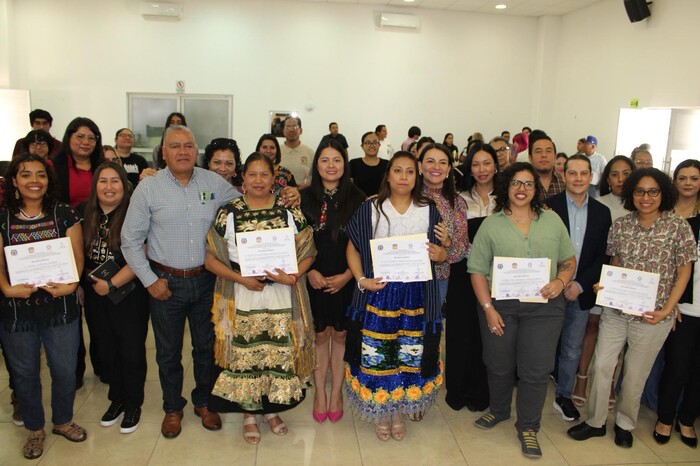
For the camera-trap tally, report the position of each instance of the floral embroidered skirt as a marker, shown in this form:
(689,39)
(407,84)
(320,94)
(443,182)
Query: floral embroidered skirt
(388,380)
(261,376)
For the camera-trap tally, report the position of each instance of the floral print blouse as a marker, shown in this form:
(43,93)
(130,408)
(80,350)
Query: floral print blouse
(455,218)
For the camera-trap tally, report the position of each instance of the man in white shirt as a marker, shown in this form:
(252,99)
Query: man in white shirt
(297,157)
(386,149)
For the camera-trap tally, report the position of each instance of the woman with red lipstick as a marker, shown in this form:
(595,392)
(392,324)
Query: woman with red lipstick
(466,382)
(328,203)
(520,338)
(681,372)
(392,346)
(223,157)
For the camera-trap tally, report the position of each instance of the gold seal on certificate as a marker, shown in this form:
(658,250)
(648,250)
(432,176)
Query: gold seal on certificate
(519,278)
(41,262)
(265,250)
(631,291)
(401,258)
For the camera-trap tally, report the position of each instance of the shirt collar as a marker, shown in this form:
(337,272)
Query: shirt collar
(572,203)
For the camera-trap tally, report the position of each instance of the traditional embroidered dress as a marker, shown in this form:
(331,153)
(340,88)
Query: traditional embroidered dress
(393,347)
(264,339)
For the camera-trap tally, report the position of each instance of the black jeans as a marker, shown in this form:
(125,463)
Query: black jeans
(119,332)
(681,373)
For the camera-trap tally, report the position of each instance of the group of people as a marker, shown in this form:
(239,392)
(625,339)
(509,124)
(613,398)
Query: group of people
(163,243)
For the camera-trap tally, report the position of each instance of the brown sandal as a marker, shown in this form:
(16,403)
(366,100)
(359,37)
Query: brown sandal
(34,446)
(74,432)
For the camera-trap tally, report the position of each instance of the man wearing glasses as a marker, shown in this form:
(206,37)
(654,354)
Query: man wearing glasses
(40,120)
(367,172)
(597,163)
(296,156)
(133,164)
(500,145)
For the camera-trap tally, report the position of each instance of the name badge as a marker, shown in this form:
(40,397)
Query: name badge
(206,196)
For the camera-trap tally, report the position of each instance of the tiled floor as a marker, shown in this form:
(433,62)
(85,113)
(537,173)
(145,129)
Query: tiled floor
(445,437)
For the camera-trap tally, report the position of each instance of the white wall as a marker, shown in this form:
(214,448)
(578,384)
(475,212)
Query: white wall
(453,75)
(605,61)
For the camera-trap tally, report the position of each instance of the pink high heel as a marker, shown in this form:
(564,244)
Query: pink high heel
(335,416)
(320,417)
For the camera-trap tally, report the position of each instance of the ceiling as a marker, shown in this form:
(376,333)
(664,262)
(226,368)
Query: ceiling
(515,7)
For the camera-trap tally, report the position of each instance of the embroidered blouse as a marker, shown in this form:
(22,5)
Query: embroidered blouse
(455,219)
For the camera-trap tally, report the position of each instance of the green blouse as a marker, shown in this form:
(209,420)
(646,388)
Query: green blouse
(498,236)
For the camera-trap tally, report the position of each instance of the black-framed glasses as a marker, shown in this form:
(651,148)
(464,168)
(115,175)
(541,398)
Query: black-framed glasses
(527,185)
(103,230)
(639,192)
(503,149)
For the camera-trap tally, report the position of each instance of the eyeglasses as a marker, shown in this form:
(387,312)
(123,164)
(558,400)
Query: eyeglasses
(126,135)
(81,137)
(371,143)
(654,192)
(643,163)
(503,149)
(527,185)
(292,127)
(103,231)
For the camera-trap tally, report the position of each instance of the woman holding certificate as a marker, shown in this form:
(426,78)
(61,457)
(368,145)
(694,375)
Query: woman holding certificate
(651,239)
(264,334)
(392,346)
(681,372)
(48,314)
(116,302)
(517,334)
(328,203)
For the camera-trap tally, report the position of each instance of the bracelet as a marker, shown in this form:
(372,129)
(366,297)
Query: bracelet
(359,287)
(562,282)
(486,305)
(295,277)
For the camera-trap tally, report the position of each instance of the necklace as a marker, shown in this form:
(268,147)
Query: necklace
(30,217)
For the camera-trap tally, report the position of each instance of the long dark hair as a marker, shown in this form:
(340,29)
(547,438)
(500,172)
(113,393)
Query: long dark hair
(385,190)
(270,137)
(468,180)
(160,162)
(604,185)
(502,187)
(348,197)
(93,211)
(11,201)
(669,192)
(448,186)
(72,128)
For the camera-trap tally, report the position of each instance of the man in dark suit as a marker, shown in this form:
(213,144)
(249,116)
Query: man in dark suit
(588,222)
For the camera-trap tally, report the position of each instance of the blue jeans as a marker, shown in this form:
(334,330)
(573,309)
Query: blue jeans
(23,350)
(192,300)
(575,321)
(442,288)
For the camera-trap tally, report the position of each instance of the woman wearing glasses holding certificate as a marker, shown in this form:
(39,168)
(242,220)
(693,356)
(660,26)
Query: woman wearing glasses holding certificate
(652,239)
(520,335)
(392,346)
(264,334)
(115,302)
(48,315)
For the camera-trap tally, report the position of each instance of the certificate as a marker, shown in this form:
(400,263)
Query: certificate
(41,262)
(401,258)
(519,278)
(631,291)
(266,250)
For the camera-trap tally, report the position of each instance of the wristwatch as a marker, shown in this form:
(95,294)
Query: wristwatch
(110,285)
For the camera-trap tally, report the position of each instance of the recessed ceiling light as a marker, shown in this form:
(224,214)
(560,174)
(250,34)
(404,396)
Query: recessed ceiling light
(409,1)
(501,6)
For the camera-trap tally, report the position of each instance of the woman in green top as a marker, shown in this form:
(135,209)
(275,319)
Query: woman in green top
(516,334)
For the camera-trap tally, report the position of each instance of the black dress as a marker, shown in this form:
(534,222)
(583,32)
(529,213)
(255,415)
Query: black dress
(328,309)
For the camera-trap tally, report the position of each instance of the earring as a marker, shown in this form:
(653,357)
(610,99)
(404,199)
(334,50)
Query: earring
(17,195)
(243,189)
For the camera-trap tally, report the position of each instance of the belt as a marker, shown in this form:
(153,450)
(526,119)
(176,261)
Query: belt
(182,273)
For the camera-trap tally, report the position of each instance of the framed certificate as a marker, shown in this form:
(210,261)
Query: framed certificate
(631,291)
(41,262)
(519,278)
(265,250)
(401,258)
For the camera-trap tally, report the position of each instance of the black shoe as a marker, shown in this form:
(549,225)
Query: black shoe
(566,408)
(692,442)
(489,421)
(583,431)
(112,414)
(131,420)
(661,439)
(455,403)
(623,438)
(529,444)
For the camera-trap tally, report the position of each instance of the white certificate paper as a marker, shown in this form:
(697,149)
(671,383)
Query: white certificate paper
(631,291)
(401,258)
(41,262)
(519,278)
(266,250)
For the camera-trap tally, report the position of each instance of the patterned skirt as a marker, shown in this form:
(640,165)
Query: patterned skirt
(262,369)
(388,380)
